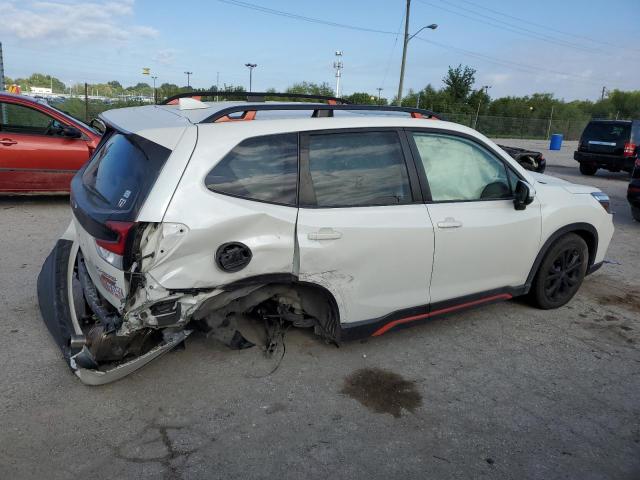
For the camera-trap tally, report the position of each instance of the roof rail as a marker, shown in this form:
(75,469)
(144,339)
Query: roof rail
(248,111)
(253,96)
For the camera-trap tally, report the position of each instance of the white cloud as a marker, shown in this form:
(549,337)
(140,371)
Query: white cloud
(77,22)
(166,56)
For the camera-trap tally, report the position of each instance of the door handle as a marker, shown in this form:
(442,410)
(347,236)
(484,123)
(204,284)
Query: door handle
(7,142)
(449,222)
(324,234)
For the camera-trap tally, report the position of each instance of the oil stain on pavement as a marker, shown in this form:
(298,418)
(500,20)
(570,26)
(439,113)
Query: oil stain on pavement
(382,391)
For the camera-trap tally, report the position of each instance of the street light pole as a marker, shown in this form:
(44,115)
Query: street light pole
(250,66)
(188,74)
(155,96)
(407,38)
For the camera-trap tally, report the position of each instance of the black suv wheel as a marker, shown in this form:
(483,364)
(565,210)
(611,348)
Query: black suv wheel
(635,213)
(561,272)
(587,169)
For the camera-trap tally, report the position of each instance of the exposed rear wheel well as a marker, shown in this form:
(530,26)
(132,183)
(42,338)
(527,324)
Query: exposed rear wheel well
(298,303)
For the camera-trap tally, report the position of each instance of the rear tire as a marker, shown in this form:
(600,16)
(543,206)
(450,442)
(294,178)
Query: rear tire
(587,169)
(561,272)
(635,213)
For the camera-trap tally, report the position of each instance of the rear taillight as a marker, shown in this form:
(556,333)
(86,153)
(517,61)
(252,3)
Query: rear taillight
(118,245)
(629,149)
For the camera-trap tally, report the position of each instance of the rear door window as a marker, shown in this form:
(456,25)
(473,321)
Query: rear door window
(358,169)
(259,168)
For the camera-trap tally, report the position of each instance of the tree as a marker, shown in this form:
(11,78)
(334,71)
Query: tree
(459,82)
(114,84)
(362,98)
(311,88)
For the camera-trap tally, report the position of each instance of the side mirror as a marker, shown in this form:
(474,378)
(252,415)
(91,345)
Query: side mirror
(523,195)
(71,132)
(98,125)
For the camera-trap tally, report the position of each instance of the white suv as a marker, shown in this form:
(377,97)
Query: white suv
(352,220)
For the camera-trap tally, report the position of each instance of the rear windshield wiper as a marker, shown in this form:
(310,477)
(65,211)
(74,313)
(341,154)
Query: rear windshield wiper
(96,193)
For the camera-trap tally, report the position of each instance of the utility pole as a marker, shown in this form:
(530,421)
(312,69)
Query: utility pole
(250,66)
(550,119)
(86,102)
(338,67)
(404,51)
(408,37)
(1,70)
(188,74)
(379,95)
(603,92)
(485,88)
(3,107)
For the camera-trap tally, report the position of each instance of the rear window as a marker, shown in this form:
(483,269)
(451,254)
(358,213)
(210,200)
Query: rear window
(358,169)
(259,168)
(123,170)
(608,132)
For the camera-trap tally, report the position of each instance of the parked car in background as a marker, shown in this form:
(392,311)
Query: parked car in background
(41,148)
(633,192)
(608,144)
(529,159)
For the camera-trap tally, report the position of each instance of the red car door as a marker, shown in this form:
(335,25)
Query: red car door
(35,156)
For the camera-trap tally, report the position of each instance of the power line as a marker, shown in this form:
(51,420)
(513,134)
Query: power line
(546,27)
(508,63)
(272,11)
(502,62)
(393,49)
(510,27)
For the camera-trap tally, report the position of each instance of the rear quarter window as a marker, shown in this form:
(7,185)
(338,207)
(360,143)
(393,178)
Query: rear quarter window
(259,168)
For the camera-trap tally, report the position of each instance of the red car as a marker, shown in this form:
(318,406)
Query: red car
(41,148)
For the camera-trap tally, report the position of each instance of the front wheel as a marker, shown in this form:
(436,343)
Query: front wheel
(561,272)
(635,213)
(587,169)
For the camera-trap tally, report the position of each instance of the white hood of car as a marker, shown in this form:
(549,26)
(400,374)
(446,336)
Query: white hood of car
(568,186)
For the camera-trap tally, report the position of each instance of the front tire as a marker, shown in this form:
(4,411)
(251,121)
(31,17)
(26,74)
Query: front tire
(561,272)
(635,213)
(587,169)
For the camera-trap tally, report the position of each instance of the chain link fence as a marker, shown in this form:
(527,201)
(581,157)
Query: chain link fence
(86,109)
(514,127)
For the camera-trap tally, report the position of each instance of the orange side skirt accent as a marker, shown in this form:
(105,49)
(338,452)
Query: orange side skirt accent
(390,325)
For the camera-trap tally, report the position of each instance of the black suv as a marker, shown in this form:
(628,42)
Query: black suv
(609,144)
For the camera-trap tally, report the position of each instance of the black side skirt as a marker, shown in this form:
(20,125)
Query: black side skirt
(421,314)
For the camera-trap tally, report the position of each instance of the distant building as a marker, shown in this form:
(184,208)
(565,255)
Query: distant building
(40,90)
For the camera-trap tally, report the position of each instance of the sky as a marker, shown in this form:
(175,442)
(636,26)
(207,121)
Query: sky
(571,48)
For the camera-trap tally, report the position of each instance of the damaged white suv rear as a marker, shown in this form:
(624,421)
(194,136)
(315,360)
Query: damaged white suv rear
(349,220)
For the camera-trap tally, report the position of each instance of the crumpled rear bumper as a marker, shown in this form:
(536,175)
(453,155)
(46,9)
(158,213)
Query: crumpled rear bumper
(55,303)
(53,297)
